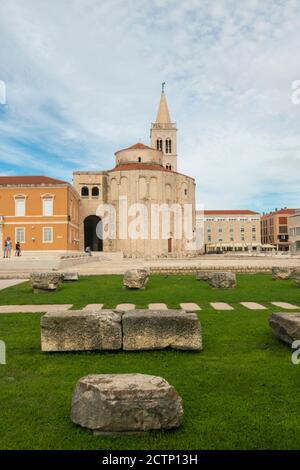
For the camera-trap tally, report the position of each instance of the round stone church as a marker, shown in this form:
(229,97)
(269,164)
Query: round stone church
(151,205)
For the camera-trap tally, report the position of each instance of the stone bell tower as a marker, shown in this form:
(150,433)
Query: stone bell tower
(163,134)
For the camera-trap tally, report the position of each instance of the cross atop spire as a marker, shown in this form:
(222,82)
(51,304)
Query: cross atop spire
(163,115)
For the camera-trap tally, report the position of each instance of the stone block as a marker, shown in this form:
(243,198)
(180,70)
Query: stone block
(79,330)
(125,403)
(45,281)
(286,326)
(282,273)
(160,329)
(136,278)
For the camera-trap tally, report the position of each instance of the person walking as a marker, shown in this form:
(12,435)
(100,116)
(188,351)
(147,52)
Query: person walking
(8,247)
(18,249)
(5,249)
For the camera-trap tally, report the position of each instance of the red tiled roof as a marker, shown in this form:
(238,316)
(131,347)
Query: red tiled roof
(140,166)
(280,211)
(229,212)
(139,145)
(34,180)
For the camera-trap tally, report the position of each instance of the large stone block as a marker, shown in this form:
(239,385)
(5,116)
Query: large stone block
(136,278)
(46,281)
(282,273)
(221,280)
(286,326)
(81,330)
(120,403)
(160,329)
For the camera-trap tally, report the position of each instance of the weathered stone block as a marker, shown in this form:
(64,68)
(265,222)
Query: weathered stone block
(202,275)
(222,280)
(81,330)
(281,273)
(286,326)
(136,278)
(120,403)
(160,329)
(49,281)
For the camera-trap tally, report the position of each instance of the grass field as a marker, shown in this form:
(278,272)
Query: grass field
(241,392)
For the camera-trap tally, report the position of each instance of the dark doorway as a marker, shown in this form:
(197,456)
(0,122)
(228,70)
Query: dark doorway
(92,232)
(169,245)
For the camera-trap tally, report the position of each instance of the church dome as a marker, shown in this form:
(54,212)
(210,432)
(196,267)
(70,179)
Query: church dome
(139,153)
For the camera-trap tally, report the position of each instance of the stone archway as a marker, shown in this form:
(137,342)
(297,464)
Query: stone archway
(92,225)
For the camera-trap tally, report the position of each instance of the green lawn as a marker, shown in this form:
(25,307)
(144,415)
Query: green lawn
(241,392)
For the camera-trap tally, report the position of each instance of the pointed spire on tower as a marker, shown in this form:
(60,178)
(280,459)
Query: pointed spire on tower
(163,115)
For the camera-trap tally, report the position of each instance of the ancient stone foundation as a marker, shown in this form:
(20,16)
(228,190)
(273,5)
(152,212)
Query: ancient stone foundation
(107,330)
(125,403)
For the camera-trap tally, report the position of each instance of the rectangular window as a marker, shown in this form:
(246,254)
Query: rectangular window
(20,207)
(20,235)
(48,207)
(283,229)
(47,234)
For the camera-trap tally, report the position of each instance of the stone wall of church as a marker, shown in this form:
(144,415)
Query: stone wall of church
(148,187)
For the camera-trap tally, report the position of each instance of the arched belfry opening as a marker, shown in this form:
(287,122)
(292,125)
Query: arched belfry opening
(93,233)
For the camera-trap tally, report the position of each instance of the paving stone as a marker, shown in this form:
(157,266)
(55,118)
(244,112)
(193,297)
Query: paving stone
(158,307)
(285,305)
(221,306)
(93,307)
(4,283)
(34,308)
(190,307)
(253,306)
(124,307)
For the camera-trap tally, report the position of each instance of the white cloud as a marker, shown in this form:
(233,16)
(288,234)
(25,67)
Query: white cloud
(83,79)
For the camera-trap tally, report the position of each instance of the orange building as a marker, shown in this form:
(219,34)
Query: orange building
(39,212)
(274,228)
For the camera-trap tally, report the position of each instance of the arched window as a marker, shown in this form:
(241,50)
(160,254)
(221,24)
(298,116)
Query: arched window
(168,146)
(159,144)
(140,159)
(169,167)
(85,191)
(95,191)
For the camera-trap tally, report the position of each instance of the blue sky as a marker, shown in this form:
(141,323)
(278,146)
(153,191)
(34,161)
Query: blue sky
(83,80)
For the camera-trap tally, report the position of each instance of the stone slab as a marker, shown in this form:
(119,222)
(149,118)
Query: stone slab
(285,305)
(221,306)
(93,307)
(190,307)
(253,306)
(4,283)
(78,330)
(34,308)
(160,329)
(124,307)
(286,326)
(157,307)
(125,403)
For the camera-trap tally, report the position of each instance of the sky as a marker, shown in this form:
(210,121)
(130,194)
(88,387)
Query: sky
(83,79)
